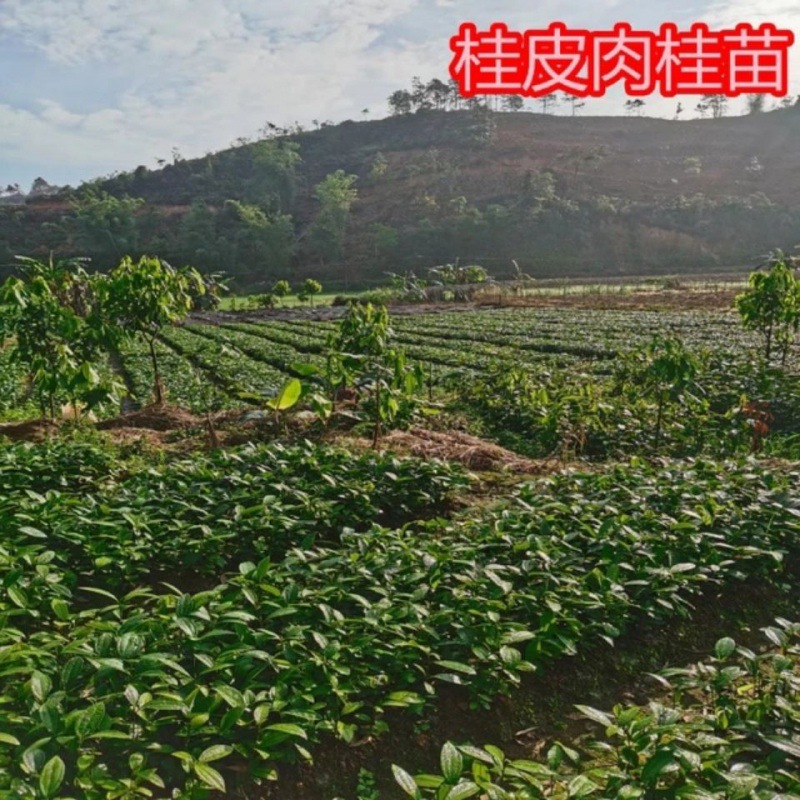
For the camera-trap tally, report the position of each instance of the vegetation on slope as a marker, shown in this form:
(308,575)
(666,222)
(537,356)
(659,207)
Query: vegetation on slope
(560,195)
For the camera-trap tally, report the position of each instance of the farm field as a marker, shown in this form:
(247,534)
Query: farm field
(297,614)
(252,356)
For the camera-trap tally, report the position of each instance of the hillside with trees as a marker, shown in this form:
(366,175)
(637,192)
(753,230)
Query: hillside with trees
(443,180)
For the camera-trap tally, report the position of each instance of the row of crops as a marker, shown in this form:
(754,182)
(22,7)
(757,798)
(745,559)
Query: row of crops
(201,622)
(178,624)
(718,729)
(212,365)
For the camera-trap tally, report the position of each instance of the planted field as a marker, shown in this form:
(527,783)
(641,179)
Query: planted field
(207,621)
(324,621)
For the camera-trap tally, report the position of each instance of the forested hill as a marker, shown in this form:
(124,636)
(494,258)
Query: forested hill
(560,195)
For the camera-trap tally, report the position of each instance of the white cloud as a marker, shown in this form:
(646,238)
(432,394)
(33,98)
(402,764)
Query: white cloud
(199,73)
(784,14)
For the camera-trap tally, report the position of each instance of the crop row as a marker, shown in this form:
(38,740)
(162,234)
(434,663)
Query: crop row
(231,370)
(478,356)
(326,638)
(280,355)
(202,515)
(729,731)
(186,385)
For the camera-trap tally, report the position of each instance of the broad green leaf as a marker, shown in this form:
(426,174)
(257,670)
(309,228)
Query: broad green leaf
(452,763)
(581,786)
(215,752)
(288,395)
(457,666)
(209,776)
(595,715)
(52,776)
(462,791)
(406,782)
(785,745)
(288,728)
(724,648)
(40,686)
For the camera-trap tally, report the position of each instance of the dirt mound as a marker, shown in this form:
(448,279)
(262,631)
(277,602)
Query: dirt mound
(472,452)
(34,430)
(154,418)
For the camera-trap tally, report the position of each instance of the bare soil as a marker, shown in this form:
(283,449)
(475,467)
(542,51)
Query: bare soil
(472,452)
(34,430)
(154,418)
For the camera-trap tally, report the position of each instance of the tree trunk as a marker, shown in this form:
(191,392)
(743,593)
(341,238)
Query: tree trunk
(377,431)
(158,388)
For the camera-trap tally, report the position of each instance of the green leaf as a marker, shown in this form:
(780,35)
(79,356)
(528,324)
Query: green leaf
(406,782)
(40,686)
(660,762)
(457,666)
(209,776)
(6,738)
(90,721)
(215,753)
(288,728)
(462,791)
(60,609)
(784,744)
(17,596)
(231,696)
(288,396)
(595,715)
(452,763)
(724,648)
(581,786)
(52,776)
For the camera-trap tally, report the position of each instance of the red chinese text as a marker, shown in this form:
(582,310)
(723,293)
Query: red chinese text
(740,60)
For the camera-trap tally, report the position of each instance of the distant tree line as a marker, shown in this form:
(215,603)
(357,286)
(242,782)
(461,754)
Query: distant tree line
(230,212)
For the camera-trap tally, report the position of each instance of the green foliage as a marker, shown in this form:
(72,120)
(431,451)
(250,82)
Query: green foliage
(163,686)
(455,274)
(282,288)
(366,788)
(771,306)
(307,291)
(379,167)
(55,319)
(105,226)
(665,371)
(259,245)
(146,296)
(266,300)
(731,732)
(273,181)
(336,195)
(362,354)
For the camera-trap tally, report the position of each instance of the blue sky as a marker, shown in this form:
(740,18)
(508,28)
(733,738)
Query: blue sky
(93,86)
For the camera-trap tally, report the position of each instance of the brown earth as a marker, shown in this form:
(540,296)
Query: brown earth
(34,430)
(472,452)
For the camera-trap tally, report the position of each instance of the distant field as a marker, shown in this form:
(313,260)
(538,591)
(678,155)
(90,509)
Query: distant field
(537,288)
(247,301)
